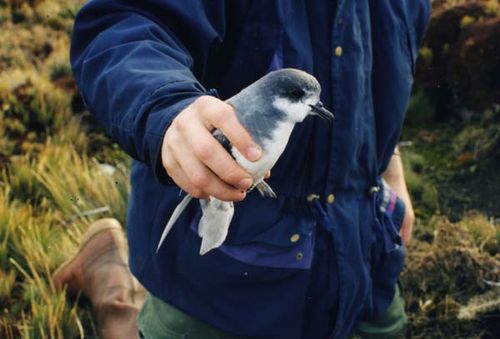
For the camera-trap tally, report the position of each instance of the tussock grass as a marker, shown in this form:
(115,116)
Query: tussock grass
(49,180)
(78,184)
(43,205)
(447,281)
(31,246)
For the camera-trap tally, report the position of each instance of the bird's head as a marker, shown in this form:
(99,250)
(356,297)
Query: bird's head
(295,93)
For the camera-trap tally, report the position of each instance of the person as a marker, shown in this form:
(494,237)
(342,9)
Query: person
(323,258)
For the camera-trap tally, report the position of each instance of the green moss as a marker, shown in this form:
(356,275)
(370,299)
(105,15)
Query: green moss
(493,7)
(426,55)
(484,232)
(467,21)
(420,110)
(422,191)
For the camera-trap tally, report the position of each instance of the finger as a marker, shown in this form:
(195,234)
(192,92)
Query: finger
(203,179)
(175,171)
(222,116)
(214,156)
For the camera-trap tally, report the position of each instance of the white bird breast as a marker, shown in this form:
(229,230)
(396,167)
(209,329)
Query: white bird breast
(271,151)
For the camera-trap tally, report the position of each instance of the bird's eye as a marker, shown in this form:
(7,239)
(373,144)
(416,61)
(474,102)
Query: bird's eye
(296,94)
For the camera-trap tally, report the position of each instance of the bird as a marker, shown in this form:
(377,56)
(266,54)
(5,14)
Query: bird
(269,108)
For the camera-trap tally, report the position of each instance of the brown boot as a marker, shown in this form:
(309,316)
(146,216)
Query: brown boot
(101,272)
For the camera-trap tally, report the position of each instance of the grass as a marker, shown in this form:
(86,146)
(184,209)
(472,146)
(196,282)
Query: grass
(50,177)
(447,280)
(55,180)
(44,201)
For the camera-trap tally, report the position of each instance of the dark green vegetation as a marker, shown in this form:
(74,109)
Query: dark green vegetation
(52,173)
(452,161)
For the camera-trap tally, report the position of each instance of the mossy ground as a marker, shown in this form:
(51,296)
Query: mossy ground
(52,175)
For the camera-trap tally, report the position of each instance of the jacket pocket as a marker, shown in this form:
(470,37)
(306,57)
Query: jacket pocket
(275,236)
(252,272)
(388,252)
(281,246)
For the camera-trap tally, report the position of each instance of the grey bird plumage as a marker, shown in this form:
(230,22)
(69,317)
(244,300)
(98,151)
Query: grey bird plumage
(269,109)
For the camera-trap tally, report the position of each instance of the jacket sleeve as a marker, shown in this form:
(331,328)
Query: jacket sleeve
(419,13)
(134,62)
(398,28)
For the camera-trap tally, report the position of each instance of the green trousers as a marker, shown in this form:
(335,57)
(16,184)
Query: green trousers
(159,320)
(389,325)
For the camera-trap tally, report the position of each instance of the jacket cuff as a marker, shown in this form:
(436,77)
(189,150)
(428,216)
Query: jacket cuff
(158,129)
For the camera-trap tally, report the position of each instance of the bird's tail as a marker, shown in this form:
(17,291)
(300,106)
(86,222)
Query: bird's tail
(214,223)
(175,215)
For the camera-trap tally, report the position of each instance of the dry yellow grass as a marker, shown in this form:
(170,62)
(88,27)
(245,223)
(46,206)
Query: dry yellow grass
(49,181)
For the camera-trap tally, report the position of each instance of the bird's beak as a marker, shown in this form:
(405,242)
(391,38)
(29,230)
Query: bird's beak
(319,109)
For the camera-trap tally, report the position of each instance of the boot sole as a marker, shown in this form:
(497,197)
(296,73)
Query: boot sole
(93,231)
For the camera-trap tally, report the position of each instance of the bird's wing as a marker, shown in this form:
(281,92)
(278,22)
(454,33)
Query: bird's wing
(175,215)
(221,138)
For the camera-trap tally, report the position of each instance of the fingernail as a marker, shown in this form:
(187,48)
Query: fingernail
(245,183)
(254,153)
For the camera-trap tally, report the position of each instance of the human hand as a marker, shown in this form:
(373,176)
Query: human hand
(408,220)
(401,190)
(394,176)
(197,162)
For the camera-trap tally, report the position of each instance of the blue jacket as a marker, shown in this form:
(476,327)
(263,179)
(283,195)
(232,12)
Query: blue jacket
(291,267)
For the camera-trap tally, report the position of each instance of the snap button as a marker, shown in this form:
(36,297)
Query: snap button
(338,51)
(374,189)
(311,197)
(330,199)
(295,237)
(299,256)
